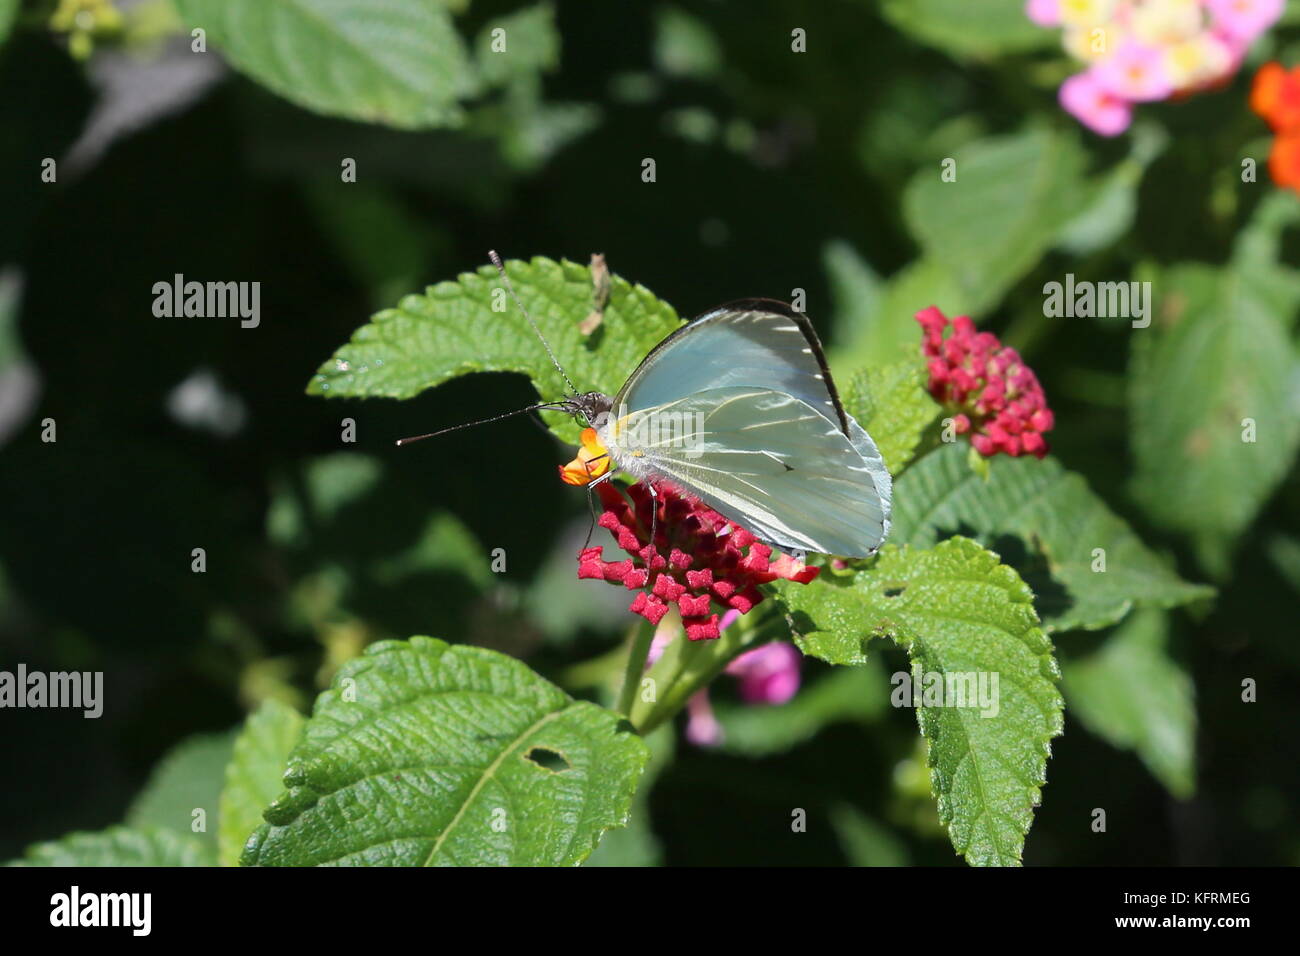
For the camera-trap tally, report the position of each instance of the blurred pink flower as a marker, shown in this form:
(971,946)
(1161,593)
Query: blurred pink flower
(1135,73)
(1244,20)
(702,728)
(1046,13)
(768,674)
(1083,98)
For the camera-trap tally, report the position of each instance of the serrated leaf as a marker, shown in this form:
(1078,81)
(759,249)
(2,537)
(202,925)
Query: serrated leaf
(1218,354)
(957,610)
(1046,523)
(120,846)
(396,62)
(636,843)
(980,30)
(892,403)
(427,754)
(1133,694)
(254,774)
(453,330)
(992,224)
(188,778)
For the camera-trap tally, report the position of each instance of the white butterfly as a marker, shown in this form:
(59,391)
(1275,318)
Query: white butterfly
(738,409)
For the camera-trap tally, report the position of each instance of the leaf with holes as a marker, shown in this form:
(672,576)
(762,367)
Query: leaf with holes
(470,325)
(964,617)
(427,754)
(397,62)
(1086,565)
(254,775)
(120,846)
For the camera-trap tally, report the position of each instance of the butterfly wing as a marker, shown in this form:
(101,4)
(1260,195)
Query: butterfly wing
(766,460)
(771,354)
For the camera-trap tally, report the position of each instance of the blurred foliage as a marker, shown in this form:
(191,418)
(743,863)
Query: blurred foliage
(776,171)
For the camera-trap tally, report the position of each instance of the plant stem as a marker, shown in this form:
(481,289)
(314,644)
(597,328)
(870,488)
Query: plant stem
(642,636)
(687,666)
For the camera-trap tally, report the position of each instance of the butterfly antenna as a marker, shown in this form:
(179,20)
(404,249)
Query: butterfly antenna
(496,261)
(481,421)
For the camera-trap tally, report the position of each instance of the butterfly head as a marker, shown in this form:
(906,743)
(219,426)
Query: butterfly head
(592,406)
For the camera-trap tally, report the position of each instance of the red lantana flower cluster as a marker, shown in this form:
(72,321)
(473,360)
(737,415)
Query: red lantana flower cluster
(697,559)
(996,396)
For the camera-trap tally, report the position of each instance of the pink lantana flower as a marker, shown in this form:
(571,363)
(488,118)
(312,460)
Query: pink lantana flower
(1136,72)
(996,397)
(1046,13)
(768,674)
(1087,101)
(1244,20)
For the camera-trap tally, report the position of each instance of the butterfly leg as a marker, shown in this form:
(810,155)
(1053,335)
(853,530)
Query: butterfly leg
(654,510)
(591,503)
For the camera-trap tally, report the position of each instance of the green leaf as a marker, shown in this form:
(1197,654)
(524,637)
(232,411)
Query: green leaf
(961,28)
(850,694)
(856,291)
(957,611)
(684,45)
(1133,694)
(1217,358)
(426,754)
(120,846)
(188,778)
(886,330)
(8,15)
(396,62)
(1046,523)
(1110,209)
(892,403)
(531,45)
(636,844)
(453,330)
(254,776)
(1002,213)
(865,841)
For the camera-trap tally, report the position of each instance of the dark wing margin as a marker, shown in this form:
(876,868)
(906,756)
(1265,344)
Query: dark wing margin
(777,307)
